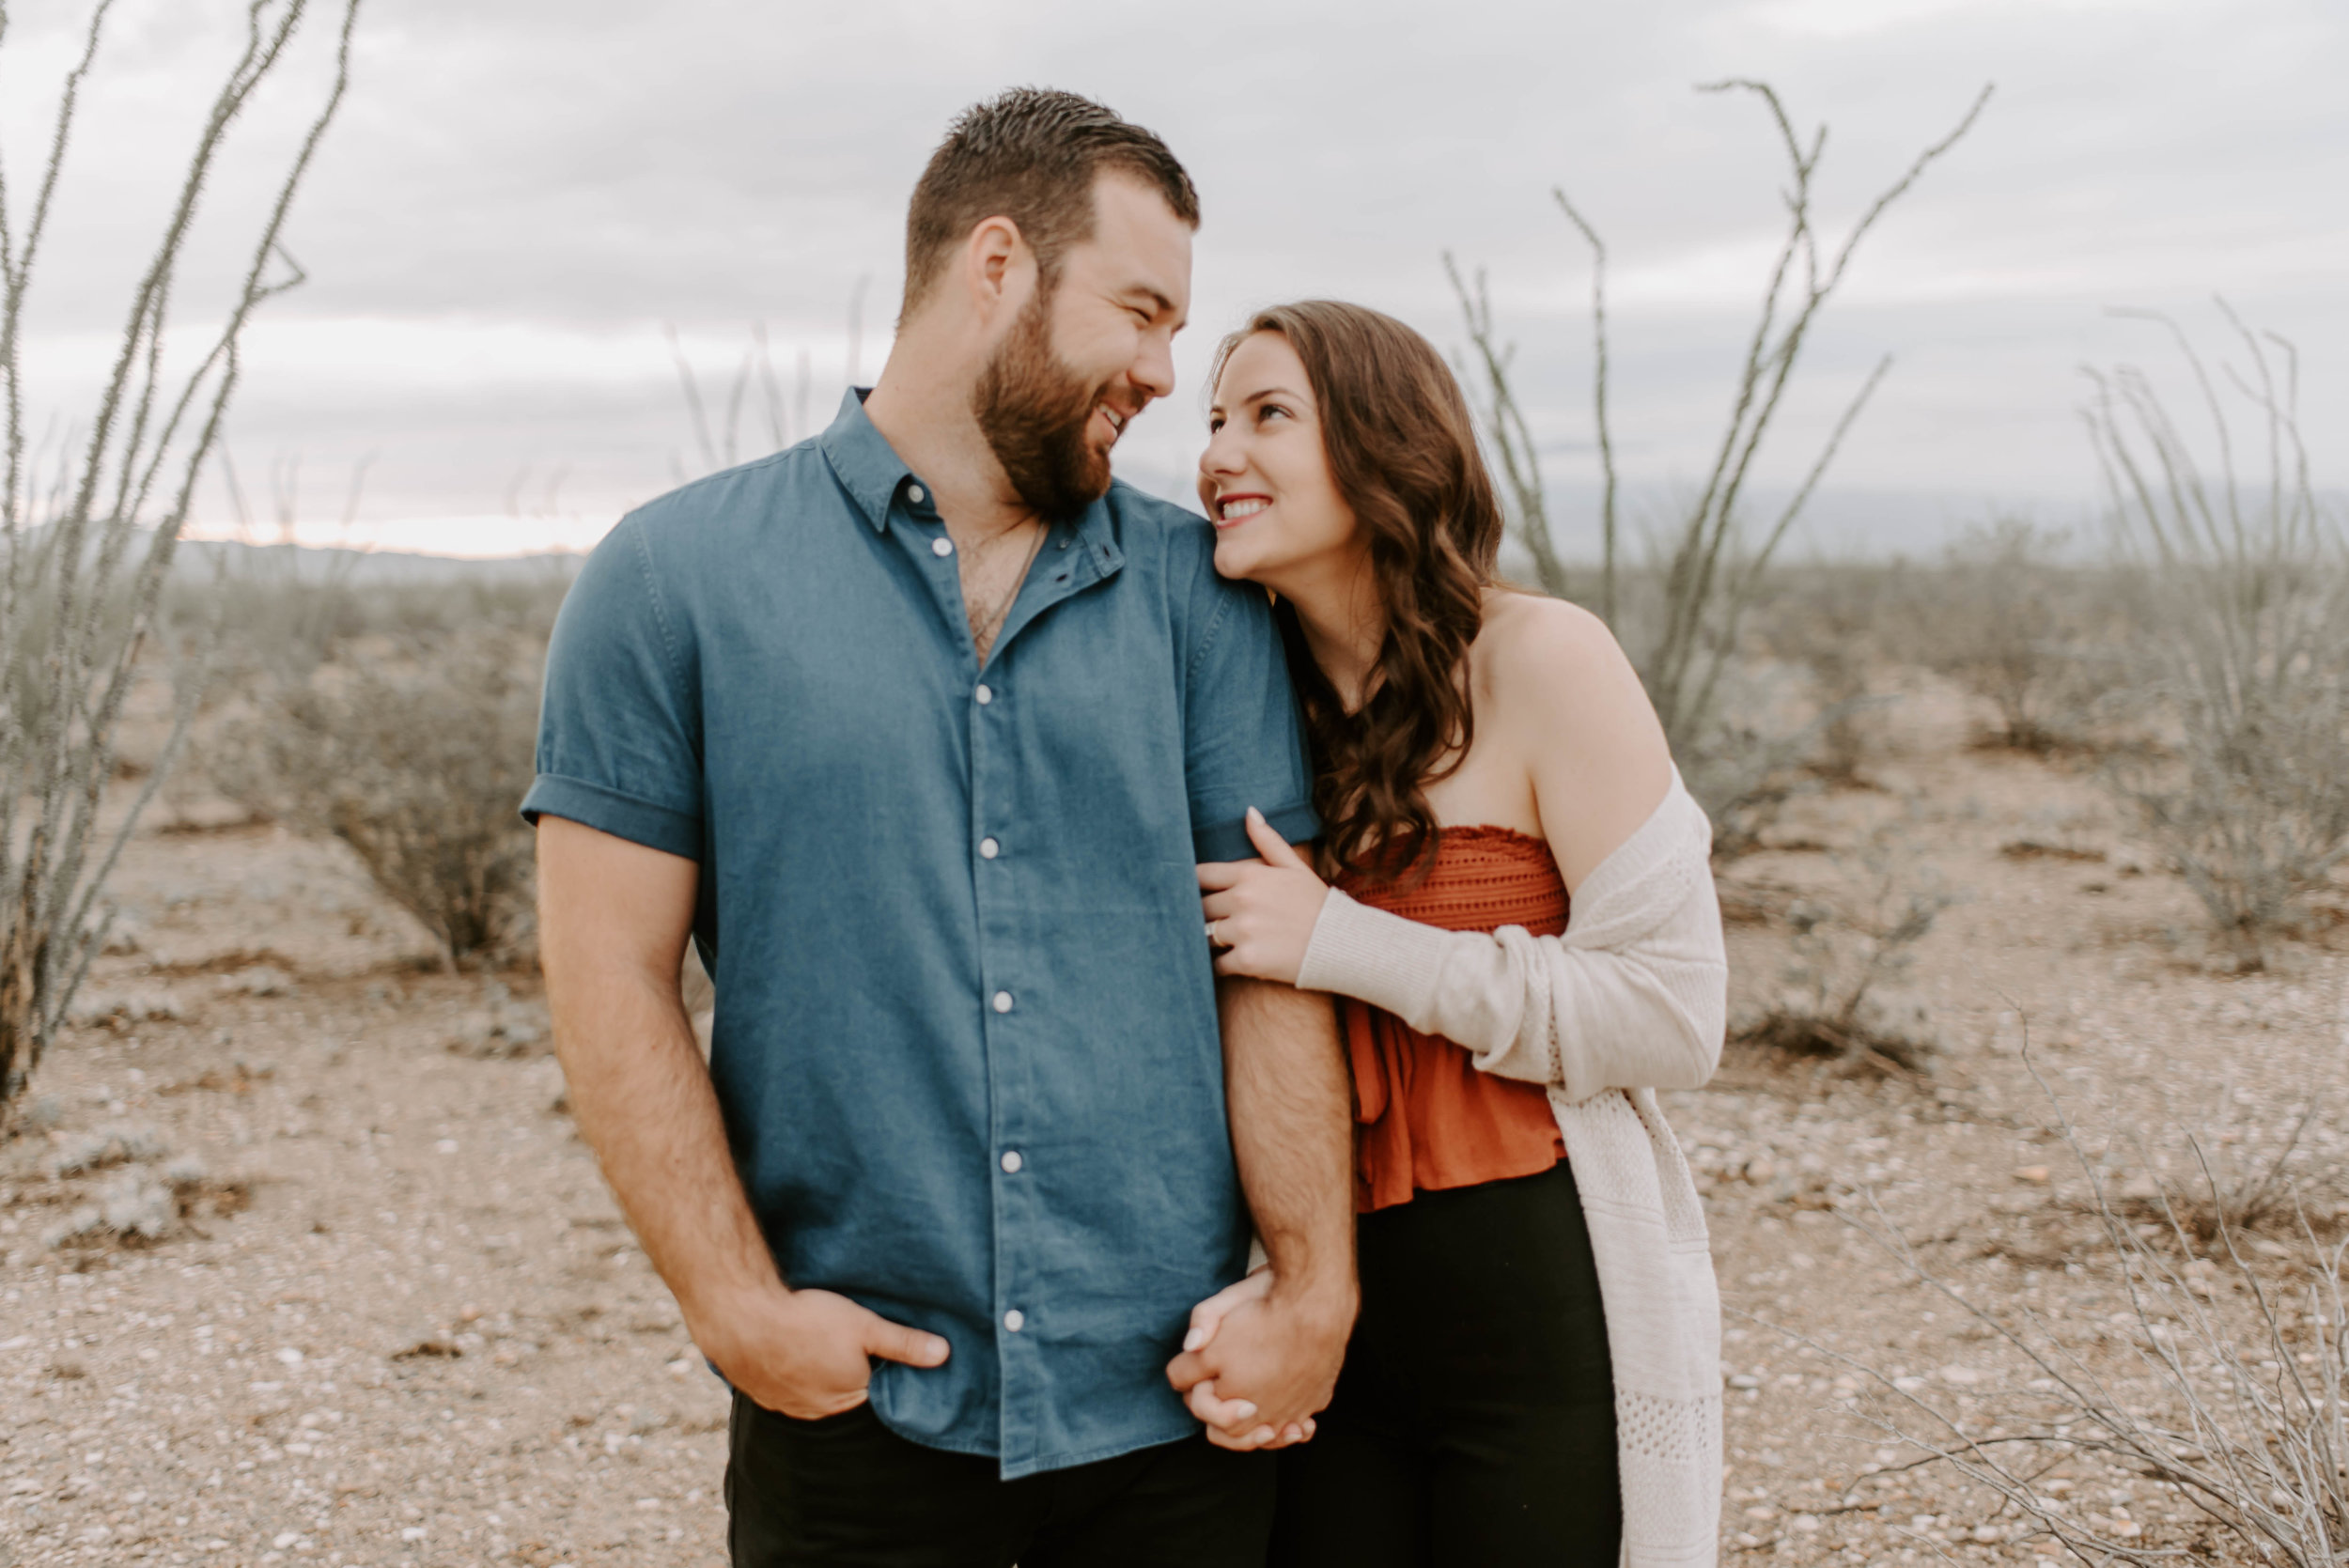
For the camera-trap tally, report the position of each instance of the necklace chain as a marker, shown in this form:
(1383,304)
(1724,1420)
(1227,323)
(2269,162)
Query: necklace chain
(982,631)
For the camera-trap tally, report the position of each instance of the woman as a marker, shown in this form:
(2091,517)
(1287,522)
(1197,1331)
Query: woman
(1520,926)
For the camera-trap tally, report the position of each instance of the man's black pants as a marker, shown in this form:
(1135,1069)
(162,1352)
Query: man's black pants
(846,1492)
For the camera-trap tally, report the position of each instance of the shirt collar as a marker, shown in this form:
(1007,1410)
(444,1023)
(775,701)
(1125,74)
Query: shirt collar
(868,467)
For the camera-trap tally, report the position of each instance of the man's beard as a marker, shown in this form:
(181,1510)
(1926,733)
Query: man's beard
(1034,414)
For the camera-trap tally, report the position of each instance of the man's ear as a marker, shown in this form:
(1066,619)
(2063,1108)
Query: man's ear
(998,268)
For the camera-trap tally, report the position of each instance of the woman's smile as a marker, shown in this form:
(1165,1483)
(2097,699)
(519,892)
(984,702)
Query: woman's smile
(1233,510)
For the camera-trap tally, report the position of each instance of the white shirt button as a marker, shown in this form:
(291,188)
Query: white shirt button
(1014,1320)
(941,546)
(915,494)
(986,694)
(988,848)
(1012,1162)
(1003,1002)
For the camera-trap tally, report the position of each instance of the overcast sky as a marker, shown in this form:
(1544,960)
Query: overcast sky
(520,198)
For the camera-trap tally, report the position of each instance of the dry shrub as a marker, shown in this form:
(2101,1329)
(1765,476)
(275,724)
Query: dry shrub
(1839,622)
(2227,1386)
(138,1202)
(2038,638)
(283,614)
(2243,588)
(1845,950)
(272,617)
(418,768)
(2238,1193)
(1754,759)
(1743,776)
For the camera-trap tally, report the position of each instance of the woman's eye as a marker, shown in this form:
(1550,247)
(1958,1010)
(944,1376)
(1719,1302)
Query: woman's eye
(1215,423)
(1269,410)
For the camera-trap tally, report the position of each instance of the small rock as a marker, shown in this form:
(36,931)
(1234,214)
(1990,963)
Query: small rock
(263,980)
(437,1346)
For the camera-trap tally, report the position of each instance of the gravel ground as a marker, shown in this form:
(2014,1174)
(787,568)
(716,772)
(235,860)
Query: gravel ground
(401,1322)
(375,1307)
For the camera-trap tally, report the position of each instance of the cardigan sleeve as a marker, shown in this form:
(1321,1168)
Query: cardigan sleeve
(1634,995)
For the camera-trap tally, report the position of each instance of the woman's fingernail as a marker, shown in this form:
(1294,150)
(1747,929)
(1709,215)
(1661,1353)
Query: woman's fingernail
(1193,1339)
(1243,1411)
(1254,815)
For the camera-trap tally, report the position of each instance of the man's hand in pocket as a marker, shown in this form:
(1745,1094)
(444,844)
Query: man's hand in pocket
(806,1354)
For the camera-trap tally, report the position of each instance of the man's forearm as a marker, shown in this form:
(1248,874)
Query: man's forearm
(1292,1134)
(613,919)
(642,1100)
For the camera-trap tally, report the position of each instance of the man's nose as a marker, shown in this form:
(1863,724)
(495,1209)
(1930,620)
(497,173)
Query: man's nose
(1154,369)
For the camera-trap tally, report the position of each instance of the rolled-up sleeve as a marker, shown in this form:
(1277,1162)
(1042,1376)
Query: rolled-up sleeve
(620,742)
(1242,743)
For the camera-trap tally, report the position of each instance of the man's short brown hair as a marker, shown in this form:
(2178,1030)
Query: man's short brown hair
(1030,155)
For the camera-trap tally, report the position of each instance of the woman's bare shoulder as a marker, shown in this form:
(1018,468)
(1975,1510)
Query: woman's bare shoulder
(1569,704)
(1538,647)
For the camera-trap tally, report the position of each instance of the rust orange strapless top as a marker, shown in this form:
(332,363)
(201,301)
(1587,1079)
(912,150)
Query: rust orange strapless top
(1426,1118)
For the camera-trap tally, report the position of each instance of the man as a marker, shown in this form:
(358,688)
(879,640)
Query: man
(918,730)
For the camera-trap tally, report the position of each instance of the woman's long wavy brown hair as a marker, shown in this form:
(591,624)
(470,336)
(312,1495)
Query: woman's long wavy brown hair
(1402,448)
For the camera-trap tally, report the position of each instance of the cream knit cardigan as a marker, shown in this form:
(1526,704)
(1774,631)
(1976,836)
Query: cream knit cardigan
(1630,999)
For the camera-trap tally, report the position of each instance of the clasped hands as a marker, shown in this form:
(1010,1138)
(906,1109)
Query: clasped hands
(1259,1363)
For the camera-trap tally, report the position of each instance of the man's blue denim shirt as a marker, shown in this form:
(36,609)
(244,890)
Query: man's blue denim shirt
(966,1040)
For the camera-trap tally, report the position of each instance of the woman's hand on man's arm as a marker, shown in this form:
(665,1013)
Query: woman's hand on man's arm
(1260,913)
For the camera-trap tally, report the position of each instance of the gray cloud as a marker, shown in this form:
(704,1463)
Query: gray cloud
(519,196)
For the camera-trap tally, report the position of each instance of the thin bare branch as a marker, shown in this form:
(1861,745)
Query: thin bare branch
(1607,607)
(79,612)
